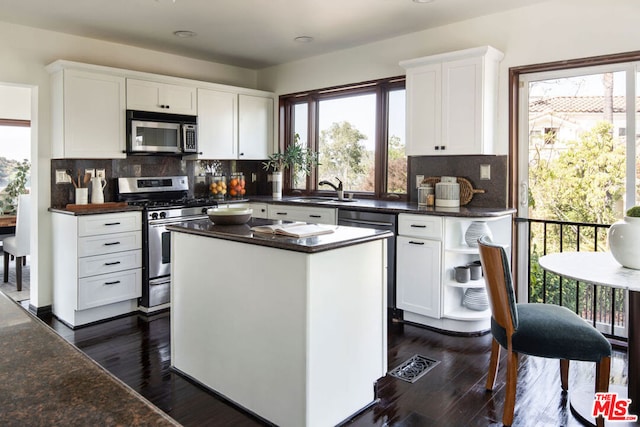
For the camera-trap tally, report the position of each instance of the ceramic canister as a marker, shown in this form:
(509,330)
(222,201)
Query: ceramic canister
(448,194)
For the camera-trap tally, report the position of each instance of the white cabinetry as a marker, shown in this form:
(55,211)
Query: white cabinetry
(161,97)
(87,114)
(97,266)
(300,213)
(260,210)
(427,291)
(452,102)
(234,126)
(419,249)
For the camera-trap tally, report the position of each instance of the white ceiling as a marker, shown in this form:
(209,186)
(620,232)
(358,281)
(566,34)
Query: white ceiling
(246,33)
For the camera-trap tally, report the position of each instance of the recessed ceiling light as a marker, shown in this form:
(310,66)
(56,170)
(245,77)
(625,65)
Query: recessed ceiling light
(303,39)
(184,34)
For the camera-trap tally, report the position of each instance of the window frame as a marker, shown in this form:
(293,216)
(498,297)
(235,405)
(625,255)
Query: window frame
(381,88)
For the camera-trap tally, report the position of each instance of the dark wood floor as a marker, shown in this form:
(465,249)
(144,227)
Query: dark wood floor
(136,349)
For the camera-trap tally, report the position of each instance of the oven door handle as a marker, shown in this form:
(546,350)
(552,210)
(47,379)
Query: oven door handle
(165,222)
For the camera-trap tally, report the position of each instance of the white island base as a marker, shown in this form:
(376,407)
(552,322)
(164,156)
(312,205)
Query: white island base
(296,338)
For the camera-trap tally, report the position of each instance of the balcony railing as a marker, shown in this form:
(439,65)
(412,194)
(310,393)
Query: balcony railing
(604,307)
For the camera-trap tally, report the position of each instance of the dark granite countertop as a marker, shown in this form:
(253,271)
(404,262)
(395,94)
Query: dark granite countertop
(341,237)
(44,380)
(94,211)
(386,206)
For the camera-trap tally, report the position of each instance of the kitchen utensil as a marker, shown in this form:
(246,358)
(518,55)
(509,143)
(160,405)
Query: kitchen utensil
(68,171)
(229,216)
(97,187)
(87,178)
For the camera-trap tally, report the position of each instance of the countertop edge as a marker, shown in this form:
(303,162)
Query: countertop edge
(95,211)
(282,242)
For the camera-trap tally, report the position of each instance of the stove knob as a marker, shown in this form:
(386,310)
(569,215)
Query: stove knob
(204,210)
(154,215)
(163,215)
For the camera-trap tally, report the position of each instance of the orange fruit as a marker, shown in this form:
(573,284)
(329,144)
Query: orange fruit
(242,183)
(243,191)
(233,192)
(233,182)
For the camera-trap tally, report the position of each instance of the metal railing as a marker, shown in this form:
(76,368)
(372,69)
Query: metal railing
(604,307)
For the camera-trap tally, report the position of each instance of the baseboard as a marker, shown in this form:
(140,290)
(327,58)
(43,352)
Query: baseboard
(43,311)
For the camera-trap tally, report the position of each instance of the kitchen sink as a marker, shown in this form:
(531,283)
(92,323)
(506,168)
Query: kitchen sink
(311,200)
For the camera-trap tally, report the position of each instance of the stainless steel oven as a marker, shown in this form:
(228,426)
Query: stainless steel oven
(165,201)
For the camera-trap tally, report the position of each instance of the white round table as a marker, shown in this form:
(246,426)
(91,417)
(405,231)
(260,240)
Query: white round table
(600,268)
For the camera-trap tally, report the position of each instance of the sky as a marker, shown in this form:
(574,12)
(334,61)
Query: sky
(589,85)
(15,142)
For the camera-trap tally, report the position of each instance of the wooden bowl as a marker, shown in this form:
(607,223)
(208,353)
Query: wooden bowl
(229,216)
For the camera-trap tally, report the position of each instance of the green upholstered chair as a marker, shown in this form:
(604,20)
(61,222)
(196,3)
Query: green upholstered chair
(542,330)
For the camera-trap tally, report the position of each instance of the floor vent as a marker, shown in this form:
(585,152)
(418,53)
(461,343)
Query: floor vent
(412,369)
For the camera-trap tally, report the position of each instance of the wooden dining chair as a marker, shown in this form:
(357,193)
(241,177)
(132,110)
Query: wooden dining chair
(543,330)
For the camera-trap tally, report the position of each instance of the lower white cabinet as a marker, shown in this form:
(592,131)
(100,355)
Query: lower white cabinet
(418,272)
(310,214)
(97,266)
(428,250)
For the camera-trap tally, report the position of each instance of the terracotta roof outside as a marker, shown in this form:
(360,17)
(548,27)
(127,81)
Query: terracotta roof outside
(577,104)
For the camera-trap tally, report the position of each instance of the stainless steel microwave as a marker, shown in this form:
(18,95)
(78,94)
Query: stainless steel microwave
(161,133)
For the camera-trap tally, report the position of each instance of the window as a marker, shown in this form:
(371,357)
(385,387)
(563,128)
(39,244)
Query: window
(358,132)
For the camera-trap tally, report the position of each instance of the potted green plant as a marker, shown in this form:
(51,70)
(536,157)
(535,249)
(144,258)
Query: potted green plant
(15,187)
(624,239)
(295,157)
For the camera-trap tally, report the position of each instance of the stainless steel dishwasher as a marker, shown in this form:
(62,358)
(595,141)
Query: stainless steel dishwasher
(378,221)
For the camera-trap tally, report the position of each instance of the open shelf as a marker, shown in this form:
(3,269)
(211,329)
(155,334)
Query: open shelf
(470,284)
(463,313)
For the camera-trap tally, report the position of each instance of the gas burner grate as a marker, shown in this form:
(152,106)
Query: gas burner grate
(414,368)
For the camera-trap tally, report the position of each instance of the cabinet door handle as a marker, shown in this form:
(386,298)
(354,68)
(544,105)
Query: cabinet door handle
(416,243)
(281,213)
(112,263)
(112,243)
(315,216)
(418,226)
(112,283)
(112,223)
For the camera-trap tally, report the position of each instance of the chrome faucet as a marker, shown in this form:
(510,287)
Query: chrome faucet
(338,188)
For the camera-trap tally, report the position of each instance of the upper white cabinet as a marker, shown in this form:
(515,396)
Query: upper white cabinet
(146,95)
(452,102)
(217,124)
(255,126)
(87,114)
(234,126)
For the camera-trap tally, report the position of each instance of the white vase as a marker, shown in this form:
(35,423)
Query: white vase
(624,242)
(476,230)
(276,179)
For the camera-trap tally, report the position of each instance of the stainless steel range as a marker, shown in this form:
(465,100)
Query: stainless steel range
(165,201)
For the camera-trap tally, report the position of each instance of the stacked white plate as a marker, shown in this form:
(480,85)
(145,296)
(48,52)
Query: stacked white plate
(476,299)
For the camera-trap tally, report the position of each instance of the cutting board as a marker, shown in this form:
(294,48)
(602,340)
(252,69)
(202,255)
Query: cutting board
(93,206)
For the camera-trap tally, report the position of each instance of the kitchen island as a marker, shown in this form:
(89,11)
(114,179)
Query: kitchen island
(293,330)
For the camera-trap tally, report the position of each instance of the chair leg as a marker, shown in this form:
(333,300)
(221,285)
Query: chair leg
(512,379)
(493,365)
(564,374)
(19,273)
(6,267)
(602,382)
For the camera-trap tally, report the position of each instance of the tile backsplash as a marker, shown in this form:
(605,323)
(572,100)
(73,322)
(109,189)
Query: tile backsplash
(495,195)
(62,194)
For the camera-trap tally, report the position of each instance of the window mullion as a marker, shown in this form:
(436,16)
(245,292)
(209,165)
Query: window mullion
(631,96)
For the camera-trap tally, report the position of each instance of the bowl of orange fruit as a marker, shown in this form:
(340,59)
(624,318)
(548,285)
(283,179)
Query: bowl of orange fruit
(229,216)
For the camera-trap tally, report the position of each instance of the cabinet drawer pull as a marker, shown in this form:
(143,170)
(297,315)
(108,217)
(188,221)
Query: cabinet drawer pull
(112,243)
(416,243)
(281,213)
(112,263)
(112,223)
(418,226)
(112,283)
(315,216)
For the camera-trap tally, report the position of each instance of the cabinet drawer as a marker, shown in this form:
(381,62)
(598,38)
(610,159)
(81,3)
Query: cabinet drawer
(109,288)
(305,214)
(91,225)
(104,264)
(429,227)
(112,243)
